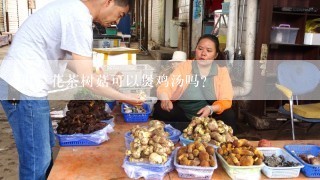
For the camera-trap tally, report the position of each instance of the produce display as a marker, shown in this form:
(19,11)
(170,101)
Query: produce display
(134,109)
(240,153)
(196,154)
(278,161)
(207,129)
(150,144)
(310,159)
(83,117)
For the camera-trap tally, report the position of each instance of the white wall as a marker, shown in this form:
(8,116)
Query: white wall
(169,12)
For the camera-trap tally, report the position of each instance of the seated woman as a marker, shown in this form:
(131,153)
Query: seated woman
(200,87)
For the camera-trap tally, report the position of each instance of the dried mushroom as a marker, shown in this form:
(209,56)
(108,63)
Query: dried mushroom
(196,154)
(278,161)
(240,153)
(150,143)
(83,117)
(207,129)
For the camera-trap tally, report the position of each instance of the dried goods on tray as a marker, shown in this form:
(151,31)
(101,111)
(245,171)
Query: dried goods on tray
(310,159)
(240,153)
(83,117)
(196,154)
(207,129)
(150,144)
(278,161)
(134,109)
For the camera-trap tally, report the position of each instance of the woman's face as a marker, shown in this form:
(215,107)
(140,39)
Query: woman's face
(206,52)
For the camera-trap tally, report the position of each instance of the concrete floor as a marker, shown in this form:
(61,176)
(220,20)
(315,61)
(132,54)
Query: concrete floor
(9,156)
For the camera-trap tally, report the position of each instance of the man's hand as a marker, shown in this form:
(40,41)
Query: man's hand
(133,99)
(166,105)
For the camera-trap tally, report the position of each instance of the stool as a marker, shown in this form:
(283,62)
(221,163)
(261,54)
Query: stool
(221,16)
(126,37)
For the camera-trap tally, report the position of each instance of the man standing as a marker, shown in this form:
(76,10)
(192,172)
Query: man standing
(63,27)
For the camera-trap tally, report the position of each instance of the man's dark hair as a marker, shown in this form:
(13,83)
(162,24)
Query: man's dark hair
(122,3)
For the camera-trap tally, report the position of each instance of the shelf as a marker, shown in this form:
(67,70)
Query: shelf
(296,14)
(296,45)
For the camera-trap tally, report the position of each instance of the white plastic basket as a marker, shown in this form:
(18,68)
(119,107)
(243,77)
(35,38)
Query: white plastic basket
(132,76)
(241,172)
(280,172)
(194,172)
(136,90)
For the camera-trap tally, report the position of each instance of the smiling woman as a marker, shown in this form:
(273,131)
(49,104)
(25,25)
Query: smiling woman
(204,88)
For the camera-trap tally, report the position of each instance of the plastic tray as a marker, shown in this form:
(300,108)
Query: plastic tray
(92,139)
(280,172)
(241,172)
(147,170)
(136,117)
(184,141)
(194,172)
(308,169)
(173,135)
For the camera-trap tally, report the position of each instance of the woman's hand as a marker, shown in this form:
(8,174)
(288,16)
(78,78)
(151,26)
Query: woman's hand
(205,112)
(166,105)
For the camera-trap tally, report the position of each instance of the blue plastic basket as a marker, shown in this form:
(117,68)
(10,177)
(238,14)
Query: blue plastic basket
(80,142)
(91,139)
(136,117)
(111,104)
(308,169)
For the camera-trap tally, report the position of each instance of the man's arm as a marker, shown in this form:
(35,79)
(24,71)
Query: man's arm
(83,67)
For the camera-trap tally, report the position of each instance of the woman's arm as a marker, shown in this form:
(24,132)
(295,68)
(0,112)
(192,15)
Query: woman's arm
(225,91)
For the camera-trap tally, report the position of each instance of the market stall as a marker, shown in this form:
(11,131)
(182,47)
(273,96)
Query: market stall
(105,161)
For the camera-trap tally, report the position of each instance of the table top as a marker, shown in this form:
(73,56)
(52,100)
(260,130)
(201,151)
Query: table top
(105,161)
(105,36)
(115,51)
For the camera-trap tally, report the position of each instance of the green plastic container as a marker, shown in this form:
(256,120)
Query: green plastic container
(111,31)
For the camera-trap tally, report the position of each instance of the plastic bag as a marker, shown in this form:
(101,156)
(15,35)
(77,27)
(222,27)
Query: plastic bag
(94,138)
(173,135)
(147,170)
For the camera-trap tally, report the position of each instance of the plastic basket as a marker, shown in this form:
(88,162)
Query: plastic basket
(241,172)
(308,169)
(173,135)
(136,117)
(92,139)
(147,170)
(132,76)
(194,172)
(111,31)
(111,103)
(225,7)
(280,172)
(184,141)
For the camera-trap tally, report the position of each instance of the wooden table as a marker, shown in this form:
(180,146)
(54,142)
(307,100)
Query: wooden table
(105,161)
